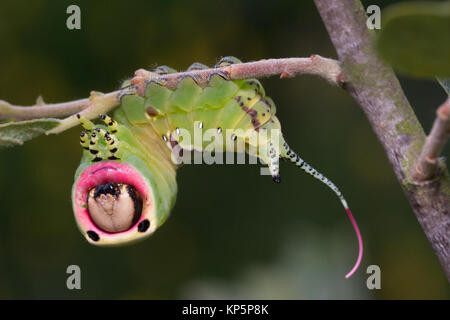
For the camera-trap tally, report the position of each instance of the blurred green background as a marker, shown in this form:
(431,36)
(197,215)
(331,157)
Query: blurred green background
(226,238)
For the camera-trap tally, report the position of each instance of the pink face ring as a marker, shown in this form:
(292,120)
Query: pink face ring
(113,204)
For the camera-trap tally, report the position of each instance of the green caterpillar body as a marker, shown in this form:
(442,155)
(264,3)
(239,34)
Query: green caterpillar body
(233,109)
(125,186)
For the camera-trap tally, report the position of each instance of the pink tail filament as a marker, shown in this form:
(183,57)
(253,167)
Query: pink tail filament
(360,243)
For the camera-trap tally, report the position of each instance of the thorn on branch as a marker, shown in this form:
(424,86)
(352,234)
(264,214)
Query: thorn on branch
(40,101)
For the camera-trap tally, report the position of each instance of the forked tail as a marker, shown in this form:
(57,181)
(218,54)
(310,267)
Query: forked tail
(288,153)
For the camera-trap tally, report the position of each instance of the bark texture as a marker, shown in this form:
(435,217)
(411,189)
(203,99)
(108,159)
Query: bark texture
(377,90)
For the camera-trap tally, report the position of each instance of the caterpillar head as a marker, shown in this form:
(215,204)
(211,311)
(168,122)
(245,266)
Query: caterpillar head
(116,194)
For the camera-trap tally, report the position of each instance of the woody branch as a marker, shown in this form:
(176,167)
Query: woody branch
(328,69)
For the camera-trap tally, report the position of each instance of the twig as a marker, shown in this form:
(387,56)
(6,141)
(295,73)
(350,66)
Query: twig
(91,107)
(377,90)
(98,103)
(19,113)
(427,163)
(285,67)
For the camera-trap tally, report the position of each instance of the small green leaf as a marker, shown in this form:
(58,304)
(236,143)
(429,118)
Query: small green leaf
(445,83)
(16,133)
(415,38)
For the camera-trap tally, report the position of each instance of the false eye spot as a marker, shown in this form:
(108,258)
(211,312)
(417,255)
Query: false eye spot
(93,235)
(114,207)
(143,225)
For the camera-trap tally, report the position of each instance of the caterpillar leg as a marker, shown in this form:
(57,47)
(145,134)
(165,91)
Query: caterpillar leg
(84,139)
(89,139)
(126,89)
(271,157)
(288,153)
(94,149)
(274,164)
(112,143)
(162,70)
(197,66)
(224,62)
(87,124)
(110,123)
(90,136)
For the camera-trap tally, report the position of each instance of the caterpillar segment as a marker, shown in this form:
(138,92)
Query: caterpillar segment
(146,136)
(197,66)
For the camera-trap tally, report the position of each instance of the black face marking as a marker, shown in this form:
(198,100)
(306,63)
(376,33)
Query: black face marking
(113,150)
(103,168)
(137,205)
(113,158)
(143,225)
(93,235)
(108,188)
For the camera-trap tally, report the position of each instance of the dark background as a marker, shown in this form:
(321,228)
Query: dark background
(233,233)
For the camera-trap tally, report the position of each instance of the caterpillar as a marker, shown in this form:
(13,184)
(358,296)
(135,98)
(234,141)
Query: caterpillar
(125,185)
